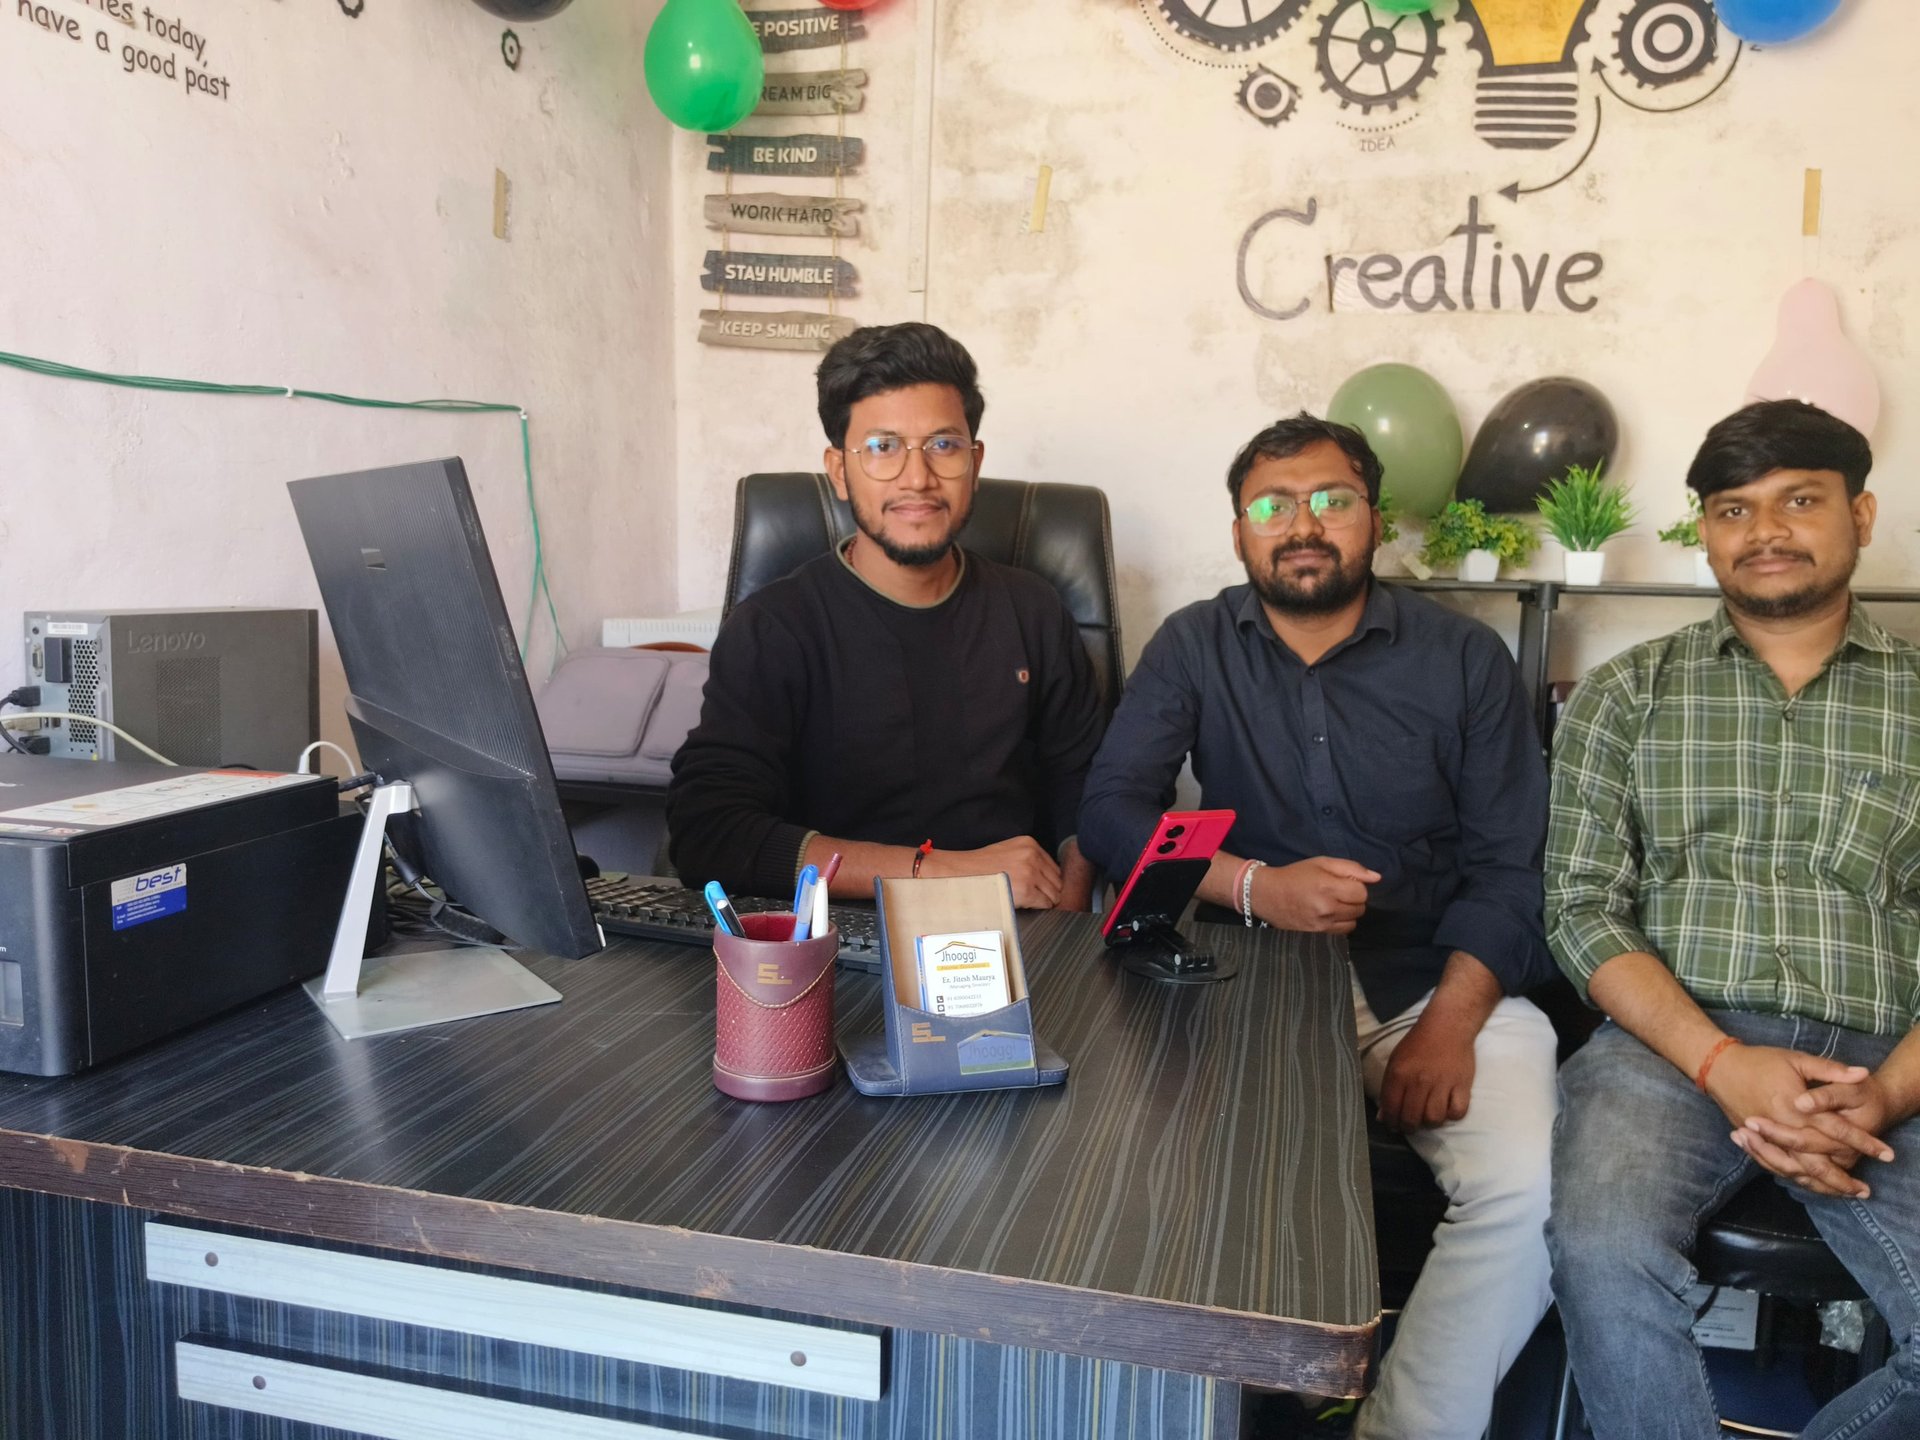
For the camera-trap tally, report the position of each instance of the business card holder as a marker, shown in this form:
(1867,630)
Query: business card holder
(921,1053)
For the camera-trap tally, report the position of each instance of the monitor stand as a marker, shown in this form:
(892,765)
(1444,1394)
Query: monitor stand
(1160,952)
(376,995)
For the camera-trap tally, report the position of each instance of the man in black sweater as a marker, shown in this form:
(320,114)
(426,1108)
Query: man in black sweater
(919,709)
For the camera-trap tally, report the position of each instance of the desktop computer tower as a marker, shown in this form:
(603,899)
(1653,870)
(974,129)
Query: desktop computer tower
(202,687)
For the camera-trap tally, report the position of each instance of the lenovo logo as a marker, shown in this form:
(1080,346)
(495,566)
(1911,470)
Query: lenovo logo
(172,642)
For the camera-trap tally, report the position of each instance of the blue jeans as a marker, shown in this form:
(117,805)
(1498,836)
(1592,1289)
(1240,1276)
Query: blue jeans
(1639,1159)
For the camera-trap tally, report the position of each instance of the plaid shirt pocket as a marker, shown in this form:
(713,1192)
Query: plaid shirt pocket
(1874,848)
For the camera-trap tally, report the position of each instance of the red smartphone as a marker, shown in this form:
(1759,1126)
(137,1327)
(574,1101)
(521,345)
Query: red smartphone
(1168,871)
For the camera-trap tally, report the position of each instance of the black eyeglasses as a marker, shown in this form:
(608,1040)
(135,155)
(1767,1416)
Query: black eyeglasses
(884,457)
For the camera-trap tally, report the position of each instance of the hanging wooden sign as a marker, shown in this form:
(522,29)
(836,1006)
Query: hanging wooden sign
(743,272)
(785,154)
(773,329)
(813,92)
(805,29)
(785,214)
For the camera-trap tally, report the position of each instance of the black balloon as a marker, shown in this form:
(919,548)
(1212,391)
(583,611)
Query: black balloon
(523,9)
(1531,437)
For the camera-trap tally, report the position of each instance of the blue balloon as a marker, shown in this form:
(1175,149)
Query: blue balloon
(1774,22)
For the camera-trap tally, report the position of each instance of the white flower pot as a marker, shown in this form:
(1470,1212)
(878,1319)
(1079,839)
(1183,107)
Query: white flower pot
(1585,567)
(1703,575)
(1480,566)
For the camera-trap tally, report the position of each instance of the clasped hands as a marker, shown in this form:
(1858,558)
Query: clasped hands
(1808,1120)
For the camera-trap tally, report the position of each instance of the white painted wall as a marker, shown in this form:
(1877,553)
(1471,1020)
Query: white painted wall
(330,226)
(1116,350)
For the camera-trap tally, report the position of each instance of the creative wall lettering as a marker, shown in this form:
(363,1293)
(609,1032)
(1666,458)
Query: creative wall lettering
(1546,72)
(149,43)
(1473,270)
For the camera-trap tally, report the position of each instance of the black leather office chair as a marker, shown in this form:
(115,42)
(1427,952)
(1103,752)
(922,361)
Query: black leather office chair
(1060,532)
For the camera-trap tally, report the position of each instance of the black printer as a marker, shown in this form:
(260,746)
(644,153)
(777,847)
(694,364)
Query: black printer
(137,900)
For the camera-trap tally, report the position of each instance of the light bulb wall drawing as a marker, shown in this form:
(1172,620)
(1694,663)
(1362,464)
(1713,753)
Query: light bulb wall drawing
(1529,88)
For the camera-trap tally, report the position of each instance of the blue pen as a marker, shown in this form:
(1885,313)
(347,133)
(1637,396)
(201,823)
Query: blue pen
(724,914)
(803,902)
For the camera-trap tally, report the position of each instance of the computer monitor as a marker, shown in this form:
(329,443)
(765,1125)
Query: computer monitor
(439,707)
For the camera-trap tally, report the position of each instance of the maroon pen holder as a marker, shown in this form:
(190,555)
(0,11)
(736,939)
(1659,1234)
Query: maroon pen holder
(773,1014)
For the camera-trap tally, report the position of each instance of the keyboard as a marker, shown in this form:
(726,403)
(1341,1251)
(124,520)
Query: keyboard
(653,909)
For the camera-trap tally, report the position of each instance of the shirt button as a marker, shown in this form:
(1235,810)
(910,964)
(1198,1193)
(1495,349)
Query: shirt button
(1319,739)
(1779,872)
(1312,670)
(1781,951)
(1326,810)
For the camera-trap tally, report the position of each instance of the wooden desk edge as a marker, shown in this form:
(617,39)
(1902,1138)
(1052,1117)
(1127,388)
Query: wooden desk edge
(1229,1345)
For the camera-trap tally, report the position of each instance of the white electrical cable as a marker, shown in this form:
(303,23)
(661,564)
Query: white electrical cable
(345,758)
(29,720)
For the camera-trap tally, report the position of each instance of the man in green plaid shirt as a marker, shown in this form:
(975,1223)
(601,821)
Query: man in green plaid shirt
(1733,876)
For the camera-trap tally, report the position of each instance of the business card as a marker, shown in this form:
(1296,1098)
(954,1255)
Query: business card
(963,973)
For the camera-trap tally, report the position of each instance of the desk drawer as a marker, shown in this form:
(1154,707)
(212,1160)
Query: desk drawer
(370,1405)
(646,1332)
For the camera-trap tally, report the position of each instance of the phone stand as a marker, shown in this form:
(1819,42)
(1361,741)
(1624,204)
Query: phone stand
(1150,946)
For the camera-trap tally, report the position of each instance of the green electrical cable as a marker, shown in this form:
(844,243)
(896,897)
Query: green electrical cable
(54,369)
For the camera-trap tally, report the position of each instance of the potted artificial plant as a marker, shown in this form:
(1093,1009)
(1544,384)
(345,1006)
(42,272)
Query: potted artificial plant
(1583,511)
(1464,534)
(1389,529)
(1686,532)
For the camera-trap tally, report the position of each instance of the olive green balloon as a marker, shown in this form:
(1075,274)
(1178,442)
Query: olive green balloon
(1414,429)
(703,64)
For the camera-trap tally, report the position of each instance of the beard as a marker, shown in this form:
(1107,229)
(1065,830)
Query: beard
(1311,594)
(931,552)
(1816,594)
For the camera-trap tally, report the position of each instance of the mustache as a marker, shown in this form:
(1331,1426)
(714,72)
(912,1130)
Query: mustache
(1773,552)
(1306,547)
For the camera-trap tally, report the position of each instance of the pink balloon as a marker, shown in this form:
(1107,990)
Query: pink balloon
(1813,360)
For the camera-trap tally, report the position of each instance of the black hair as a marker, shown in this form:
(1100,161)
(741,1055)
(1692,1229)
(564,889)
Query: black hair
(878,358)
(1286,438)
(1771,435)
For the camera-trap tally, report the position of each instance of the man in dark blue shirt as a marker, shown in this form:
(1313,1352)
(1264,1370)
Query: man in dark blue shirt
(1390,788)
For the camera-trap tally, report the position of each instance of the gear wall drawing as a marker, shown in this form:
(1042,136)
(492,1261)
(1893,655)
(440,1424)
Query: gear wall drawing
(1370,56)
(1663,42)
(1268,97)
(1543,65)
(1230,24)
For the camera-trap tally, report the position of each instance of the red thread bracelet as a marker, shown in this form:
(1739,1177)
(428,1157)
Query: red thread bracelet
(925,849)
(1700,1080)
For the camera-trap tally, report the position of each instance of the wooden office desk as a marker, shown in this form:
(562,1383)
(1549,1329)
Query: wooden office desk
(1190,1212)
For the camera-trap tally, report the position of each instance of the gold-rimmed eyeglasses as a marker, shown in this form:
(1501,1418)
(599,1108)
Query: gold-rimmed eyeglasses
(1335,507)
(884,457)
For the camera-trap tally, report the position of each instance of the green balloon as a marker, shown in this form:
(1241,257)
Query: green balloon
(1414,429)
(703,63)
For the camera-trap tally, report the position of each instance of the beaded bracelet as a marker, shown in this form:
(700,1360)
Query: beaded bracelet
(920,853)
